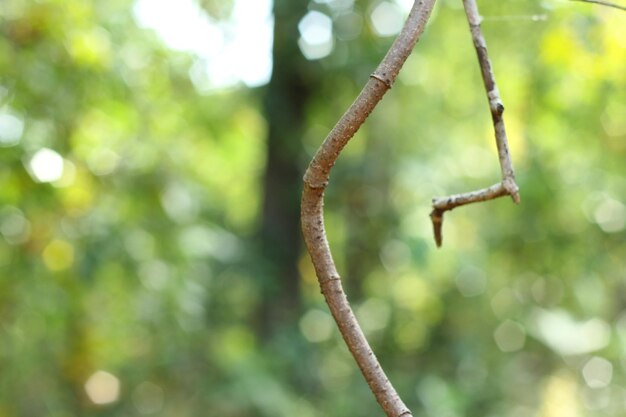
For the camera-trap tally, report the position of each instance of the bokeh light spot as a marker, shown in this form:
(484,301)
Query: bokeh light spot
(560,397)
(236,344)
(395,255)
(102,161)
(599,399)
(148,398)
(597,372)
(610,215)
(179,203)
(437,396)
(412,293)
(604,210)
(387,19)
(235,49)
(102,387)
(90,48)
(471,281)
(335,369)
(46,165)
(503,303)
(14,227)
(139,244)
(374,314)
(348,25)
(316,326)
(510,336)
(316,35)
(154,274)
(11,129)
(472,372)
(58,255)
(563,334)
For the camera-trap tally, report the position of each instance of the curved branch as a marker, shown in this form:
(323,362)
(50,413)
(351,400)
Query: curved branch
(312,209)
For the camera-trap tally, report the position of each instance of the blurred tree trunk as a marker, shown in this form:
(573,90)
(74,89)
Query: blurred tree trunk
(285,101)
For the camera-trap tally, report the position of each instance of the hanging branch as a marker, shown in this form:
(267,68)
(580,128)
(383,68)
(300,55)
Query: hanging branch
(507,186)
(312,208)
(603,3)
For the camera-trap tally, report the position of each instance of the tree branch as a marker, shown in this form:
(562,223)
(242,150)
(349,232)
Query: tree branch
(508,185)
(603,3)
(312,209)
(443,204)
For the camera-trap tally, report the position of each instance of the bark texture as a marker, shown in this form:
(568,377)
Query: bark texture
(507,186)
(312,207)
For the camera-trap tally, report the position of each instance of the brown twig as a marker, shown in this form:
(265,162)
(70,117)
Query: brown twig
(508,185)
(312,208)
(603,3)
(443,204)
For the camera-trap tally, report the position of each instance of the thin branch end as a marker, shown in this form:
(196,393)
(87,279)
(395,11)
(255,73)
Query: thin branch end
(437,218)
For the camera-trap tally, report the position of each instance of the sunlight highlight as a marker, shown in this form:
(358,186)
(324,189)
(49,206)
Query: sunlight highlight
(46,165)
(102,388)
(58,255)
(316,35)
(598,372)
(11,128)
(238,49)
(387,19)
(559,331)
(316,326)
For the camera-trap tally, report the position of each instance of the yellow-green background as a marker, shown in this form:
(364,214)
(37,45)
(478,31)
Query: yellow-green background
(146,260)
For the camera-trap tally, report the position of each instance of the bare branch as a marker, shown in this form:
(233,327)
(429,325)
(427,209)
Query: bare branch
(443,204)
(493,95)
(312,209)
(508,185)
(603,3)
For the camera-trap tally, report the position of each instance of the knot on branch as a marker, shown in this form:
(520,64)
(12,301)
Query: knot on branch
(495,102)
(496,107)
(382,77)
(330,279)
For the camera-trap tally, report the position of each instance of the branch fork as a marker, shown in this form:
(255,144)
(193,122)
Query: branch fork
(507,186)
(318,173)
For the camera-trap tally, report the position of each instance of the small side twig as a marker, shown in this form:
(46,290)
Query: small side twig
(443,204)
(508,185)
(603,3)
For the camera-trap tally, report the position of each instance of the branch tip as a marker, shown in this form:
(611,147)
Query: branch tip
(437,218)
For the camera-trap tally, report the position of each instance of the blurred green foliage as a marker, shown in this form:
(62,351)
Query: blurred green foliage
(129,285)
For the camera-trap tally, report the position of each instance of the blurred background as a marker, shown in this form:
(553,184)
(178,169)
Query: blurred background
(151,264)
